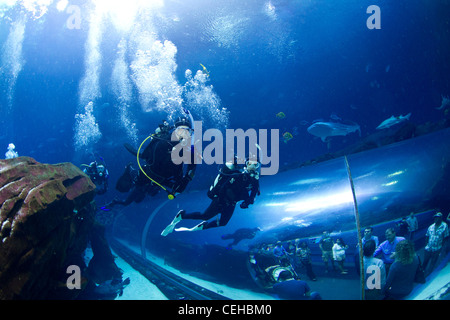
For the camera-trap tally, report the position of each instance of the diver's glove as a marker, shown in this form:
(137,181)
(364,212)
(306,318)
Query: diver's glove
(179,188)
(244,205)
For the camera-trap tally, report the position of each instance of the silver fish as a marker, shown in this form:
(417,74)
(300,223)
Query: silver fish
(323,130)
(393,121)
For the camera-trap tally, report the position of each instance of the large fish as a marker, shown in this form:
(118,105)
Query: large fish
(323,130)
(393,121)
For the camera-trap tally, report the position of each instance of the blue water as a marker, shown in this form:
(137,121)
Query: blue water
(310,59)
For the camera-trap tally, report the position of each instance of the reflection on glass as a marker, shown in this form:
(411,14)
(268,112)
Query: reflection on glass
(303,227)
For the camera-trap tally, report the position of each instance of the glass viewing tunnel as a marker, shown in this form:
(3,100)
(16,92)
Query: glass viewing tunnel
(343,196)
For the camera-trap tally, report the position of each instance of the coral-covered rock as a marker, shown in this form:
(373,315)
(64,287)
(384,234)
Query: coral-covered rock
(46,215)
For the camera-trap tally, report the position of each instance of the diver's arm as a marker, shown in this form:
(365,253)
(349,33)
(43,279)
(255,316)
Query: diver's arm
(181,185)
(253,193)
(255,190)
(190,173)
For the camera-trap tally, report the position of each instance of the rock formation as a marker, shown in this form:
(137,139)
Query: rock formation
(46,219)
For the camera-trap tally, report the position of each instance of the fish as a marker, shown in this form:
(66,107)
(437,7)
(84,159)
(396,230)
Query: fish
(205,71)
(280,115)
(445,103)
(323,130)
(287,136)
(393,121)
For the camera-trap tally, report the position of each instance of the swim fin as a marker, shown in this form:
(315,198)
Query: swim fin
(171,226)
(198,227)
(130,149)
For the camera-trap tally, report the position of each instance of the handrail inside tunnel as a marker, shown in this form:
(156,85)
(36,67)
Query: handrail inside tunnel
(298,205)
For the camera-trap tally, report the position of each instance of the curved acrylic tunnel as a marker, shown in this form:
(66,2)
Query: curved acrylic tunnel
(388,183)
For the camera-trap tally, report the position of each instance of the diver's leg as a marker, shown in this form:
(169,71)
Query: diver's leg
(210,212)
(213,210)
(225,216)
(136,195)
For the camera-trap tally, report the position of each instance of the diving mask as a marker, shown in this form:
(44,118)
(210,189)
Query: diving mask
(252,165)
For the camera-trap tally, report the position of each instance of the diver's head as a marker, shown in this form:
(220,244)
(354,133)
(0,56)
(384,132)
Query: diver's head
(252,165)
(11,146)
(182,121)
(183,129)
(163,127)
(232,164)
(101,170)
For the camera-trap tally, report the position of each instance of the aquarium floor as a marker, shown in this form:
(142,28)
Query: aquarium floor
(143,289)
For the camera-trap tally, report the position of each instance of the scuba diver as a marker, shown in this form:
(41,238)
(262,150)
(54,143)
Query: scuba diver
(240,234)
(11,153)
(99,176)
(159,171)
(230,186)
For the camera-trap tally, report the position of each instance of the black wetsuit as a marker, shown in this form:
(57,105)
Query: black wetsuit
(100,180)
(230,187)
(158,166)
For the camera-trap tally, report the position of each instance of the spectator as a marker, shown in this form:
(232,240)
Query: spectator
(326,245)
(387,248)
(368,235)
(339,254)
(303,253)
(279,252)
(400,280)
(289,289)
(413,225)
(436,237)
(374,291)
(402,228)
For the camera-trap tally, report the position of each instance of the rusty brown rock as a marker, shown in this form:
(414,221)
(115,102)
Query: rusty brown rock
(45,218)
